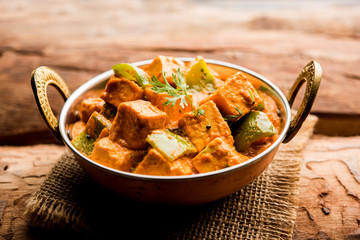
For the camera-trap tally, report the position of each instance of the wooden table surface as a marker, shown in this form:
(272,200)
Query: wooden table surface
(275,38)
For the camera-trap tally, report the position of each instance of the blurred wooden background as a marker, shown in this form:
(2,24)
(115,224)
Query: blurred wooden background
(80,39)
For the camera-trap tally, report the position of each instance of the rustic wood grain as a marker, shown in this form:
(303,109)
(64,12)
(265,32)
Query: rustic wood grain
(329,188)
(70,39)
(84,38)
(22,169)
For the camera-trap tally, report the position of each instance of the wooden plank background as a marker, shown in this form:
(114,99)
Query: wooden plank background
(80,39)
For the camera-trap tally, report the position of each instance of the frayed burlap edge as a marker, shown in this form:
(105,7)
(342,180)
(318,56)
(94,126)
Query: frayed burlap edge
(47,211)
(54,215)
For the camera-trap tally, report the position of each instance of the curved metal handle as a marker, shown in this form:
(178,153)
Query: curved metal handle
(311,74)
(40,79)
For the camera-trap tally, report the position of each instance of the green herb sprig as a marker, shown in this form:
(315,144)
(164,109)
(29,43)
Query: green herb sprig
(175,93)
(233,117)
(252,97)
(199,111)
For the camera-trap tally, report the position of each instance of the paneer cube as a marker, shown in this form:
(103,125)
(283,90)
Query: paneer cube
(174,112)
(104,133)
(217,155)
(155,164)
(88,106)
(134,121)
(120,90)
(115,156)
(236,97)
(168,65)
(205,125)
(76,129)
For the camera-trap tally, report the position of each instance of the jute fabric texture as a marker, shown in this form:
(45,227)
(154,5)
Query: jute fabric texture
(266,209)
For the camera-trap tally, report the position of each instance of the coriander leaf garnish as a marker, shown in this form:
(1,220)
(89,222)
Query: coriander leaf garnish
(180,92)
(252,97)
(175,93)
(233,117)
(199,112)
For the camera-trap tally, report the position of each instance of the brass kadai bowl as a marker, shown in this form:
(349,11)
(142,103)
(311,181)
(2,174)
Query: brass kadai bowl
(176,190)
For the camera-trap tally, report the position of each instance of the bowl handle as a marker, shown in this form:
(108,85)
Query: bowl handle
(311,74)
(40,79)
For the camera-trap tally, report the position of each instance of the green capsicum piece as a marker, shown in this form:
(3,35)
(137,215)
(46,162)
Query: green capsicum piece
(85,141)
(252,127)
(132,73)
(199,77)
(170,145)
(261,106)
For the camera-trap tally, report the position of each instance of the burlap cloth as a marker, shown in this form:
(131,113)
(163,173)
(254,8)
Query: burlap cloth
(266,209)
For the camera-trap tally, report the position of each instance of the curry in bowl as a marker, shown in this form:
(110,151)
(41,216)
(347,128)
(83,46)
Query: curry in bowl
(172,118)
